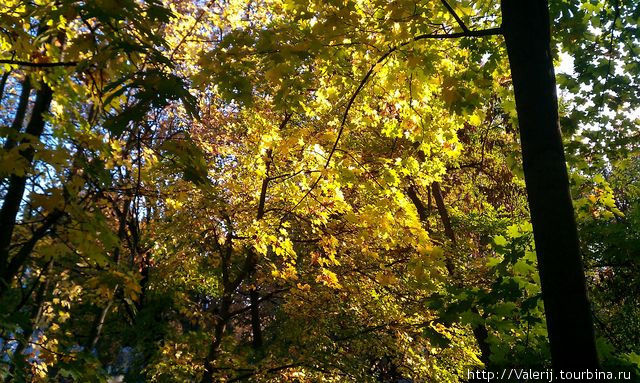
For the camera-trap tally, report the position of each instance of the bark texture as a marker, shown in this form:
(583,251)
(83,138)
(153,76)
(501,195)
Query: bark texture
(527,34)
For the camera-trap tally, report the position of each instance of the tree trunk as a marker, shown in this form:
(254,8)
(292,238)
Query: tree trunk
(256,327)
(230,286)
(480,332)
(423,211)
(98,324)
(442,210)
(12,267)
(221,326)
(36,315)
(3,83)
(17,184)
(527,34)
(21,111)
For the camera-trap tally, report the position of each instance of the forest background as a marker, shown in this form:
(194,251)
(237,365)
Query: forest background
(316,191)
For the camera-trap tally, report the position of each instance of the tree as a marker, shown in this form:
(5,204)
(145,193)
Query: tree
(310,191)
(527,35)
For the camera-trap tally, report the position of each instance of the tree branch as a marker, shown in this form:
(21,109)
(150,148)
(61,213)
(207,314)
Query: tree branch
(479,33)
(455,15)
(38,65)
(271,370)
(423,212)
(363,82)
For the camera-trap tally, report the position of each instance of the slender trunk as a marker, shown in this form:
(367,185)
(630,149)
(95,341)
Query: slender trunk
(254,296)
(123,216)
(13,267)
(221,326)
(446,222)
(222,315)
(98,324)
(256,327)
(442,210)
(3,83)
(21,111)
(423,211)
(527,35)
(17,184)
(36,314)
(145,267)
(230,286)
(480,332)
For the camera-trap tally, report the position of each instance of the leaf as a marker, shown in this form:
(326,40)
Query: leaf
(500,240)
(436,338)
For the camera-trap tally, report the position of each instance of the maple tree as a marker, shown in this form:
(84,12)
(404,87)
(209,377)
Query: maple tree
(317,191)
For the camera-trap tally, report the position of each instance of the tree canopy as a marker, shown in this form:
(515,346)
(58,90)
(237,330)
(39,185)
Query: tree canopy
(303,191)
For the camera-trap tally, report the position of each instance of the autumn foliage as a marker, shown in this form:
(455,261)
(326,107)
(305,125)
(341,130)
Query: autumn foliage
(300,191)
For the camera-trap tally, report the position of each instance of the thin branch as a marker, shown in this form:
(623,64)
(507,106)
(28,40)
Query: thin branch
(479,33)
(265,181)
(455,16)
(191,30)
(271,370)
(263,298)
(363,82)
(38,65)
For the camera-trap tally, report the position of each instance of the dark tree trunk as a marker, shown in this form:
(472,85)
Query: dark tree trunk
(230,286)
(17,184)
(423,211)
(21,111)
(527,34)
(220,327)
(12,267)
(442,210)
(3,83)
